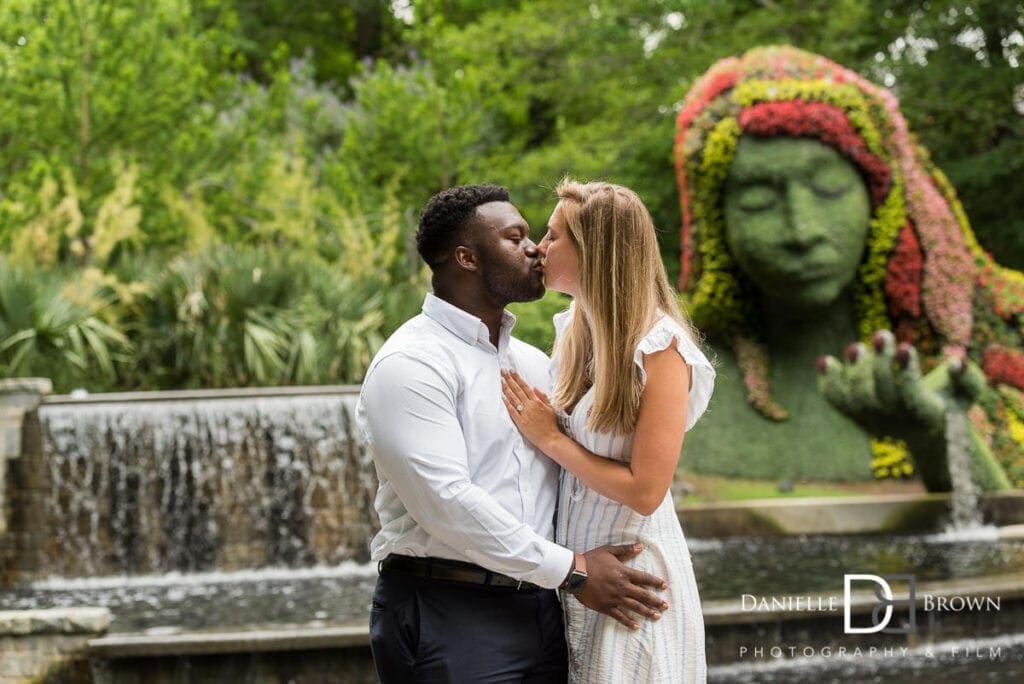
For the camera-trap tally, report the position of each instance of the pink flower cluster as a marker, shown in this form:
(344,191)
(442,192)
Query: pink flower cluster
(1007,291)
(949,273)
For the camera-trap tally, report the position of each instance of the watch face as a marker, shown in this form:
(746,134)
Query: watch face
(576,581)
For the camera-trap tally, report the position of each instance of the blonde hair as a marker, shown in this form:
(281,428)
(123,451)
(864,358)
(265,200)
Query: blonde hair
(623,290)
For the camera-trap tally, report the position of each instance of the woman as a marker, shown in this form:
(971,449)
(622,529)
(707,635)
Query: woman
(629,380)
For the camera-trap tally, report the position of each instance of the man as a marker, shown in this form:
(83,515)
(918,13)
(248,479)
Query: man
(467,568)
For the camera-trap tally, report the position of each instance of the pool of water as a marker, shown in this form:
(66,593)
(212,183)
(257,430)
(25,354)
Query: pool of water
(216,601)
(340,594)
(728,568)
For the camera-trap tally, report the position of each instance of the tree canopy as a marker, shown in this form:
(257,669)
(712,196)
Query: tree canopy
(136,133)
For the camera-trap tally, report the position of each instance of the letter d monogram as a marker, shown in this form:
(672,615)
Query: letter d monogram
(885,600)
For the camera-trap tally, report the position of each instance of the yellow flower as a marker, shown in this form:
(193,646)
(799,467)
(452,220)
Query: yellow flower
(891,458)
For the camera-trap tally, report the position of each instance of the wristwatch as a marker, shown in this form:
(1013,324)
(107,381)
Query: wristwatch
(577,577)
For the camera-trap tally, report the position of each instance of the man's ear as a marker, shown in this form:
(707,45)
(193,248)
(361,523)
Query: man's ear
(465,258)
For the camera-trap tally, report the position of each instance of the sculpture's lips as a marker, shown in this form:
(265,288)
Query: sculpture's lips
(805,276)
(811,272)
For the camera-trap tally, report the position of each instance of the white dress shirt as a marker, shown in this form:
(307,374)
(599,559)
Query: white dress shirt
(457,479)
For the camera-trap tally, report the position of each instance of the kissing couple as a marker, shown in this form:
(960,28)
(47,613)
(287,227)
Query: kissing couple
(527,529)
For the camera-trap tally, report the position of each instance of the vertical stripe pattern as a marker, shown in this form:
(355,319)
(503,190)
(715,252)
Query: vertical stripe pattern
(600,649)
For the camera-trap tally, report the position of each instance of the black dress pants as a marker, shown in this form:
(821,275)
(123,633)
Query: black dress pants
(434,631)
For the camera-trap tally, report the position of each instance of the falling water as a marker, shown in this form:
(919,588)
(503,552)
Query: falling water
(965,512)
(206,483)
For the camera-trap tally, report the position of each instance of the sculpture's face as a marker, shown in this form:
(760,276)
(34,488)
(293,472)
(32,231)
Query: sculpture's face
(797,215)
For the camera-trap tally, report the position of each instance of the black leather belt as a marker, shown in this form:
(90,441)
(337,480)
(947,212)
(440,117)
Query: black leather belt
(446,570)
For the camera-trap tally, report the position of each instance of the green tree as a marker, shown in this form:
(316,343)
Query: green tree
(263,35)
(956,67)
(90,85)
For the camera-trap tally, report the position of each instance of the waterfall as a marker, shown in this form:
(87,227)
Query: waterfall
(965,512)
(207,482)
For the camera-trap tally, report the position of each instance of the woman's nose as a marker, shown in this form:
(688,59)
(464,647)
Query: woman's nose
(542,248)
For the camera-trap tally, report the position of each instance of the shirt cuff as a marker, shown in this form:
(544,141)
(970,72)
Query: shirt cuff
(554,566)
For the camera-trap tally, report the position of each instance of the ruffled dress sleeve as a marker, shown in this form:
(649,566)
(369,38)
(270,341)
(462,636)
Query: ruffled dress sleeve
(660,337)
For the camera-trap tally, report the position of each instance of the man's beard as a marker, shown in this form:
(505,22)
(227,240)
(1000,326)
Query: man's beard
(507,285)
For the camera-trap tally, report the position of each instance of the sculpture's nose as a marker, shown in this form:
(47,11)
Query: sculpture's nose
(805,224)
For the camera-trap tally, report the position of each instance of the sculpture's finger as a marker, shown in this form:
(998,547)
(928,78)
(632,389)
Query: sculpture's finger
(882,368)
(859,382)
(967,379)
(921,401)
(832,382)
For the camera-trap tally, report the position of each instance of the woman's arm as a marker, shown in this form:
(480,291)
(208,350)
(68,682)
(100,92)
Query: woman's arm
(660,427)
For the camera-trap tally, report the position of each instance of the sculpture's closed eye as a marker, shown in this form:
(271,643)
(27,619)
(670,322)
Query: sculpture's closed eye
(753,197)
(832,182)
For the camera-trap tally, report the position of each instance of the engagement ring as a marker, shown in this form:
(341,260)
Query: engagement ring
(520,407)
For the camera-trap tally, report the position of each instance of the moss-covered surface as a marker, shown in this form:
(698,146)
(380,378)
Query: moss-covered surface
(815,443)
(706,488)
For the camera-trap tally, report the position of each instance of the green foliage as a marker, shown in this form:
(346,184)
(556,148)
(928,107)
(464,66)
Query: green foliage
(264,34)
(225,317)
(533,319)
(144,137)
(403,124)
(91,86)
(241,316)
(50,327)
(974,131)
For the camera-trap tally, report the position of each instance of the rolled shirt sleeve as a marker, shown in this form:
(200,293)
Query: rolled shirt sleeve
(410,415)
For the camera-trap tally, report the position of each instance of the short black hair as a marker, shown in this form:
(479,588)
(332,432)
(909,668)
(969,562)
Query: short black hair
(446,215)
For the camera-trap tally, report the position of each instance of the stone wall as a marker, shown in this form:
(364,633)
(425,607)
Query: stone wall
(49,645)
(22,486)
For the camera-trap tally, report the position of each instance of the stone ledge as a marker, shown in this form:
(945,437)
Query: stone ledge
(203,395)
(36,386)
(24,394)
(1008,532)
(54,621)
(281,638)
(898,513)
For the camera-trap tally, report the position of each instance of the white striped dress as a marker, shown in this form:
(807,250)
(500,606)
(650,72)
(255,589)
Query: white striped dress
(601,649)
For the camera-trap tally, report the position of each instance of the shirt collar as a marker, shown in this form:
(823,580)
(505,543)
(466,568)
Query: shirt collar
(465,325)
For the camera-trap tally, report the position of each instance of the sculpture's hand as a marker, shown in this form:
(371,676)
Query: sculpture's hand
(883,390)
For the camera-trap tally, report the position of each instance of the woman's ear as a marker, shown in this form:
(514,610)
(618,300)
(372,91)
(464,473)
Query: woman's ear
(465,258)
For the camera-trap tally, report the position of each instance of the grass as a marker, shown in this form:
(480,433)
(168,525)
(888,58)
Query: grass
(716,488)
